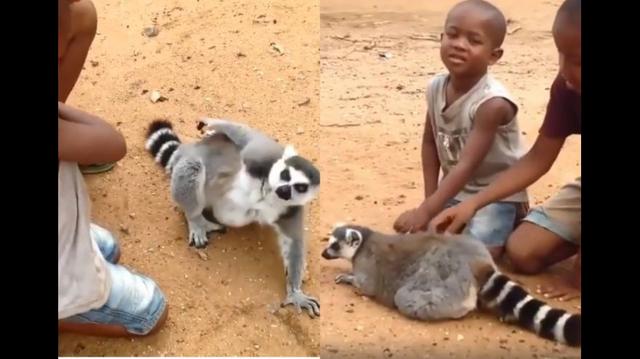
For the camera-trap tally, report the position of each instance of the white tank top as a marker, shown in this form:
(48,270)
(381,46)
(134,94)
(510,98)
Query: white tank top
(83,281)
(452,127)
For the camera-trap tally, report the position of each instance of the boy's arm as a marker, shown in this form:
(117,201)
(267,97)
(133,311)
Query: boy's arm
(87,139)
(523,173)
(416,219)
(489,116)
(430,160)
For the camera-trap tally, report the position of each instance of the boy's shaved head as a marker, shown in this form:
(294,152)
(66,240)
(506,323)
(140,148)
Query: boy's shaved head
(497,24)
(572,10)
(567,35)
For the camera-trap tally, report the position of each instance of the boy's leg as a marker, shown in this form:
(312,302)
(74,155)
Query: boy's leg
(493,224)
(550,233)
(136,307)
(84,20)
(532,248)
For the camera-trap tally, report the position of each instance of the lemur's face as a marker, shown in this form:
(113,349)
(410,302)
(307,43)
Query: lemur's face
(294,179)
(343,242)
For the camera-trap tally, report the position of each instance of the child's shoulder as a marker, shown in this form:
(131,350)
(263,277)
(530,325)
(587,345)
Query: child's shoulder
(437,80)
(436,84)
(493,82)
(496,88)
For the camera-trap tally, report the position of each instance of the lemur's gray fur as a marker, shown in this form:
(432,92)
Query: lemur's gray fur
(235,176)
(430,276)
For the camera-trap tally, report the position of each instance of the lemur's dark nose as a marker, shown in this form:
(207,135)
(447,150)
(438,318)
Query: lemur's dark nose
(284,192)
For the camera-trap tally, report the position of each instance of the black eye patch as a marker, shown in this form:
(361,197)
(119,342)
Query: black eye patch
(335,246)
(285,175)
(301,187)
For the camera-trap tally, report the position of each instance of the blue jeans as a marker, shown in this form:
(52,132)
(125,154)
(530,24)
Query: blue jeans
(493,223)
(135,301)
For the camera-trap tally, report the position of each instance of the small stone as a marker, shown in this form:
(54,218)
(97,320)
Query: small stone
(299,131)
(277,48)
(151,31)
(460,337)
(132,215)
(79,347)
(155,96)
(203,255)
(304,102)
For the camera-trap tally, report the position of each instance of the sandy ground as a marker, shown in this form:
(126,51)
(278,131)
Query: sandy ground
(373,110)
(210,58)
(362,123)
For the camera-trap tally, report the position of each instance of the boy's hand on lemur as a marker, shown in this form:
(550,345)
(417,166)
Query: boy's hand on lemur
(453,219)
(412,221)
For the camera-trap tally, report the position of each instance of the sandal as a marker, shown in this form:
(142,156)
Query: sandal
(97,168)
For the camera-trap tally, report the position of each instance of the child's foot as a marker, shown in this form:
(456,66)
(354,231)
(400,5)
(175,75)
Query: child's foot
(561,289)
(97,168)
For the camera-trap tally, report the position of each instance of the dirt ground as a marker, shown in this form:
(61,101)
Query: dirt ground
(359,115)
(372,114)
(210,58)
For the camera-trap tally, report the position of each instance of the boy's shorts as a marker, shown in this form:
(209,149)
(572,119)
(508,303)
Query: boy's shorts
(494,223)
(135,301)
(562,213)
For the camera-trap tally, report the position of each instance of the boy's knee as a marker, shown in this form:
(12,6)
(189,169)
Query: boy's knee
(84,18)
(523,256)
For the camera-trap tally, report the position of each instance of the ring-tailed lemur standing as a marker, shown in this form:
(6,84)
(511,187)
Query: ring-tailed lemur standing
(432,276)
(235,176)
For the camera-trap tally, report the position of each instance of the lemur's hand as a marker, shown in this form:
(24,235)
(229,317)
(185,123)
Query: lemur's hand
(302,301)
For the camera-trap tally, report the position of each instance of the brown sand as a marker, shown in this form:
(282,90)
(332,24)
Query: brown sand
(363,125)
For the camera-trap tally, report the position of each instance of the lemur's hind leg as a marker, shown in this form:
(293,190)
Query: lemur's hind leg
(213,223)
(427,296)
(187,190)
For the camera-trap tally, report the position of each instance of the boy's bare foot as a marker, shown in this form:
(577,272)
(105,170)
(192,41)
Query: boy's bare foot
(563,289)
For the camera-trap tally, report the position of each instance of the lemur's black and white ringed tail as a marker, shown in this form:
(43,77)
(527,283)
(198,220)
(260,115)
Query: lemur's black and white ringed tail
(162,143)
(514,303)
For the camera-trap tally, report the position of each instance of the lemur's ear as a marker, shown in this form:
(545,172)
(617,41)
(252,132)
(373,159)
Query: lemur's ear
(354,237)
(289,151)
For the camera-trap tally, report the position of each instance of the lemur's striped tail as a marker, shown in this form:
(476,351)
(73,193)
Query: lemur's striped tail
(513,303)
(162,143)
